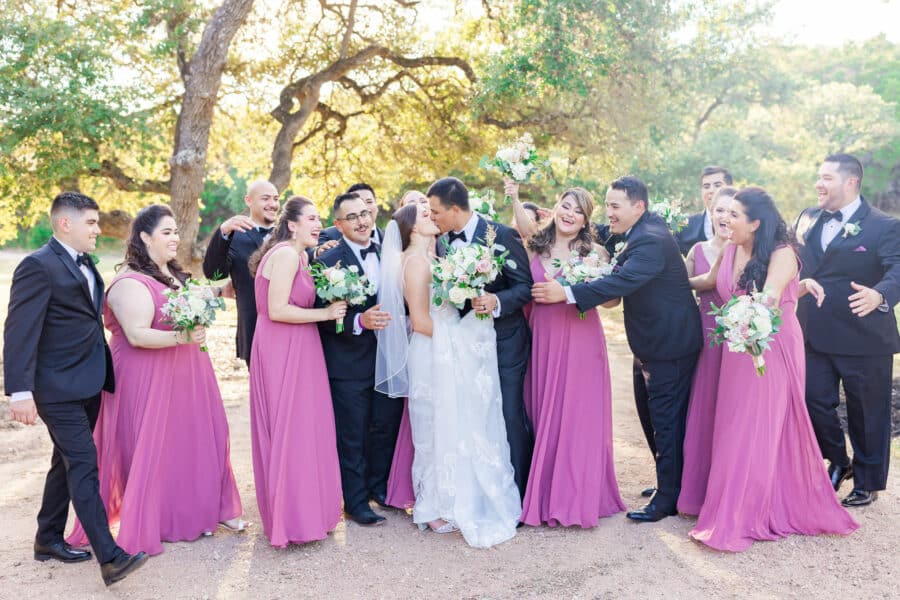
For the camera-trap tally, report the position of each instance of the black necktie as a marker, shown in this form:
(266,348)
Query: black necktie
(372,249)
(837,216)
(83,259)
(457,236)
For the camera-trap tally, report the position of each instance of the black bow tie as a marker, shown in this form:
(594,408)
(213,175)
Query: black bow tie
(83,259)
(457,236)
(837,216)
(265,230)
(372,249)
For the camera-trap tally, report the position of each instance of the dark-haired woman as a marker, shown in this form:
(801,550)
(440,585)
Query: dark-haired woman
(567,389)
(295,461)
(766,478)
(162,436)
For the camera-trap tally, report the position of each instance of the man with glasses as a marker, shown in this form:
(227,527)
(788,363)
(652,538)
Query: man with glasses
(331,235)
(366,421)
(231,247)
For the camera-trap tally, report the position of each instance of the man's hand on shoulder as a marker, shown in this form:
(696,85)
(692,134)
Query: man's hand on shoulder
(236,223)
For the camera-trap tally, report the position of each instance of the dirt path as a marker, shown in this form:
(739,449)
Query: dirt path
(618,559)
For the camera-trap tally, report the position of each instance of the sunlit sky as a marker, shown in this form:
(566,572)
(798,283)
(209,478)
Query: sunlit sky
(834,22)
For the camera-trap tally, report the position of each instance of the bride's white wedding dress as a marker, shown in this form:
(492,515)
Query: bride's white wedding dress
(461,470)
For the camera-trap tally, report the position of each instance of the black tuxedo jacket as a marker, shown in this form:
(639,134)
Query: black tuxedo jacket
(870,258)
(513,285)
(228,258)
(347,356)
(692,233)
(607,239)
(661,317)
(53,342)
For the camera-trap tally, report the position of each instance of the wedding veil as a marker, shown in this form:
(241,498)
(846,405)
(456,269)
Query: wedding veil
(393,341)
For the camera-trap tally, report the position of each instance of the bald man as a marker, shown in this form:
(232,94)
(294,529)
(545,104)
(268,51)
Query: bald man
(231,247)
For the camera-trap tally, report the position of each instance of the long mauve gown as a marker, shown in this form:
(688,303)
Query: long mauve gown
(567,391)
(295,461)
(767,478)
(400,493)
(162,441)
(702,405)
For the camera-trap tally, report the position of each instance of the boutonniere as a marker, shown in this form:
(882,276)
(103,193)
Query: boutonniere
(851,229)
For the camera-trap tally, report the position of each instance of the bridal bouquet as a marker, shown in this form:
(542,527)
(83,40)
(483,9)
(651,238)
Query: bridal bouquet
(463,272)
(518,161)
(339,283)
(747,324)
(193,305)
(483,203)
(581,269)
(671,212)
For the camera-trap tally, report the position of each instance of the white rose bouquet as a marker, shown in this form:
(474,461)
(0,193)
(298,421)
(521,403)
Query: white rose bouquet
(463,273)
(483,203)
(338,283)
(519,161)
(194,304)
(747,324)
(672,212)
(581,269)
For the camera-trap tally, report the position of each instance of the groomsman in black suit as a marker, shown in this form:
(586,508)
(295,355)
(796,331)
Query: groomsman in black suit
(331,235)
(504,299)
(662,324)
(231,247)
(700,226)
(366,421)
(55,362)
(852,251)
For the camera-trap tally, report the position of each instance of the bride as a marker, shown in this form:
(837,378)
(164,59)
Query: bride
(447,366)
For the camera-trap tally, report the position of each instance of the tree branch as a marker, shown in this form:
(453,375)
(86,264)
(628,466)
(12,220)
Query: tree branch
(125,183)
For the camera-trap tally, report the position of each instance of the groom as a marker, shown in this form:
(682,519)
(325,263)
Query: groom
(662,324)
(55,362)
(505,297)
(366,421)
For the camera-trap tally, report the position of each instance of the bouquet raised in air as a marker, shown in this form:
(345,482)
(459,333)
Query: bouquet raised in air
(581,269)
(193,305)
(341,283)
(748,324)
(463,272)
(483,203)
(672,212)
(519,160)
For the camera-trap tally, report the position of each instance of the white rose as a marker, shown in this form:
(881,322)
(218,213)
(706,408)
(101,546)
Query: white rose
(336,276)
(519,171)
(763,326)
(457,295)
(509,155)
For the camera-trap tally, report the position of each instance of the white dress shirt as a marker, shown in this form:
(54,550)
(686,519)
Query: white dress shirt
(371,268)
(708,225)
(832,227)
(92,285)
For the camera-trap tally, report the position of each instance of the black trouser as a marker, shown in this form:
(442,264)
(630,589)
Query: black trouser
(367,423)
(867,382)
(73,475)
(640,402)
(513,353)
(668,388)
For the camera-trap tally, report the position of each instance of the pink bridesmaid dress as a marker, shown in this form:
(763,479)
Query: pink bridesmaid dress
(162,441)
(400,492)
(569,399)
(295,461)
(702,405)
(767,478)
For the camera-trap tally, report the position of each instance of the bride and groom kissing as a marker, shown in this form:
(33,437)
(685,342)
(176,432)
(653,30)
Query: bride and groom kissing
(464,376)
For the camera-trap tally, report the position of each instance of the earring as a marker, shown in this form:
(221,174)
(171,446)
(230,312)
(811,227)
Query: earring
(294,235)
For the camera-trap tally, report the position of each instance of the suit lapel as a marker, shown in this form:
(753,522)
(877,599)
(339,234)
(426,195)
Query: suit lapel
(70,265)
(349,256)
(480,232)
(861,213)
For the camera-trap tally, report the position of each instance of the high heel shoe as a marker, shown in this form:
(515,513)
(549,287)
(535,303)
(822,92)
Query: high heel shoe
(234,525)
(447,527)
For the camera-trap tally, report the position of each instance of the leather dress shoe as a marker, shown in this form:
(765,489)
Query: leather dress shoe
(61,551)
(648,493)
(650,514)
(859,498)
(121,567)
(366,517)
(839,474)
(381,500)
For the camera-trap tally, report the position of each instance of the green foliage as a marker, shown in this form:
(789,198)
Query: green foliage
(221,200)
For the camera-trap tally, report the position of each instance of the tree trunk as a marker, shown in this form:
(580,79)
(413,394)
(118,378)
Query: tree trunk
(202,77)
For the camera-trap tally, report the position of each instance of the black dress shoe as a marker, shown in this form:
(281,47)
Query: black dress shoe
(859,498)
(650,514)
(647,493)
(121,567)
(381,500)
(366,517)
(61,551)
(839,474)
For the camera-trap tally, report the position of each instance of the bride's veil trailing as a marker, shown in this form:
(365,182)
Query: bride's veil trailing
(393,341)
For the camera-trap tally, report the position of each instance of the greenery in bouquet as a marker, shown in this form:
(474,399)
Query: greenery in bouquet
(341,283)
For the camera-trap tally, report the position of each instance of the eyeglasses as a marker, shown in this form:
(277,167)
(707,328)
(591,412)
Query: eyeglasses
(354,217)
